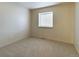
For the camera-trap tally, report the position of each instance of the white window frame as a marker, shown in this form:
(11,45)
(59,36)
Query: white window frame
(45,19)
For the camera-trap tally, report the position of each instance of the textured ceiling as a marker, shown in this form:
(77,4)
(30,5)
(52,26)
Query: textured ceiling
(33,5)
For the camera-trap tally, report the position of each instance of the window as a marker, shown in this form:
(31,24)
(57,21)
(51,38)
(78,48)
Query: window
(45,19)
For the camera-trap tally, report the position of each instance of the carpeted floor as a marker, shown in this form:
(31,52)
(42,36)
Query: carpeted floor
(34,47)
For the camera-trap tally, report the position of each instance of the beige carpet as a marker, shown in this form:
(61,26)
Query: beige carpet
(38,47)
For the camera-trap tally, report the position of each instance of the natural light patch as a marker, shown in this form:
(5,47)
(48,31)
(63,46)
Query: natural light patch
(45,19)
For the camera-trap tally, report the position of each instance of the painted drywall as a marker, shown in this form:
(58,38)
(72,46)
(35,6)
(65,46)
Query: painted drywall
(77,27)
(14,23)
(63,29)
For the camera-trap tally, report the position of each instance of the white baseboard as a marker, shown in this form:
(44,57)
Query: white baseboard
(12,39)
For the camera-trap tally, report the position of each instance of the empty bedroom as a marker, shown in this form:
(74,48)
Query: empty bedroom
(39,29)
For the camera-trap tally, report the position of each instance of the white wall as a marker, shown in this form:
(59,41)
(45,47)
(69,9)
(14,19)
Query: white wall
(77,27)
(14,23)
